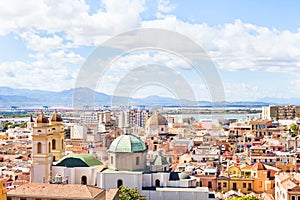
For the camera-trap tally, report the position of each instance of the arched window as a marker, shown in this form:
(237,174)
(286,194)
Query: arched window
(162,129)
(53,144)
(119,183)
(39,147)
(62,143)
(83,180)
(53,158)
(157,183)
(49,147)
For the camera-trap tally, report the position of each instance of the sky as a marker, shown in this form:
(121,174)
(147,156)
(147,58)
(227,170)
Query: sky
(254,45)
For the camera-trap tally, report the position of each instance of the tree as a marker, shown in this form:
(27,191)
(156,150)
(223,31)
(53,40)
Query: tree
(126,193)
(293,130)
(244,198)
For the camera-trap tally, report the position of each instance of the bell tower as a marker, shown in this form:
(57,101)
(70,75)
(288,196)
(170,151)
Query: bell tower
(41,150)
(47,146)
(58,134)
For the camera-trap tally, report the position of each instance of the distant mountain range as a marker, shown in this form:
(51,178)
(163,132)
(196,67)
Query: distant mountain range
(37,98)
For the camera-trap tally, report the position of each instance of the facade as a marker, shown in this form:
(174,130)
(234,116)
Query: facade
(76,169)
(48,146)
(288,112)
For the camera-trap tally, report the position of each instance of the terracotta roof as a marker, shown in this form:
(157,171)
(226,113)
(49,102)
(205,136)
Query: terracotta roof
(258,166)
(56,117)
(59,191)
(157,119)
(42,119)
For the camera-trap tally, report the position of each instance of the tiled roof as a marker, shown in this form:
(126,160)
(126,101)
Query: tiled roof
(78,160)
(127,143)
(65,191)
(160,160)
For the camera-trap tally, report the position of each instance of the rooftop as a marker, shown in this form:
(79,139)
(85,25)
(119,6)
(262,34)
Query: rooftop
(59,191)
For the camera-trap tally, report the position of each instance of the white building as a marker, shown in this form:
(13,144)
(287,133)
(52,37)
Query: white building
(77,169)
(127,160)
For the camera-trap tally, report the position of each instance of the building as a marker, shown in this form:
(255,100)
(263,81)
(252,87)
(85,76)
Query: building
(76,169)
(288,112)
(157,125)
(35,191)
(287,186)
(2,191)
(47,146)
(127,166)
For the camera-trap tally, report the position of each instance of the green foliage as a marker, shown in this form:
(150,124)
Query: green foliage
(126,193)
(293,130)
(6,124)
(244,198)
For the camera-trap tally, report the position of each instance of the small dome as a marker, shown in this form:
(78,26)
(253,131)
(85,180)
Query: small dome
(127,143)
(56,117)
(157,119)
(42,119)
(183,176)
(160,160)
(259,166)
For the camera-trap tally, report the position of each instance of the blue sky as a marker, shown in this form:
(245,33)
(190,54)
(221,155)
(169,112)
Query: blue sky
(255,45)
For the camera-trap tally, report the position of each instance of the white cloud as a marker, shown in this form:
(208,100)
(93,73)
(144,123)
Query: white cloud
(239,46)
(31,76)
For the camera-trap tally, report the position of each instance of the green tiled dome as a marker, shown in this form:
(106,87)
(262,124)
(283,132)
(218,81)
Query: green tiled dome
(78,160)
(127,143)
(160,160)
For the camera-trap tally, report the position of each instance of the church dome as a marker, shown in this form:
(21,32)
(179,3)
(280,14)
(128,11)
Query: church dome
(56,117)
(78,160)
(127,143)
(157,119)
(259,166)
(42,119)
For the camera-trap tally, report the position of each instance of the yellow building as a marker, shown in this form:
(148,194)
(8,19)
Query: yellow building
(3,191)
(47,146)
(244,185)
(247,179)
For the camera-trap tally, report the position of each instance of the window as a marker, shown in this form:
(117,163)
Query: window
(162,129)
(293,197)
(39,147)
(119,183)
(53,144)
(224,185)
(49,147)
(62,143)
(234,186)
(83,180)
(249,186)
(244,185)
(298,198)
(209,184)
(137,160)
(157,183)
(111,160)
(219,186)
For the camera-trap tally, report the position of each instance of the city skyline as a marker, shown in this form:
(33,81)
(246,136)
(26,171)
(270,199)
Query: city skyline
(255,46)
